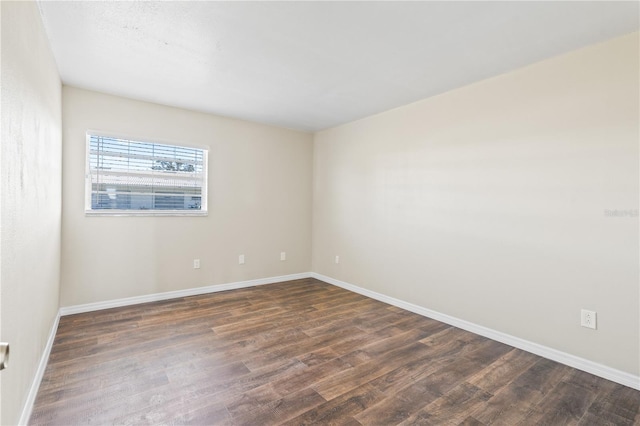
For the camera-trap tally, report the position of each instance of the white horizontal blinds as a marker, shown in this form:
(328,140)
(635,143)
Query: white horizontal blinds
(135,175)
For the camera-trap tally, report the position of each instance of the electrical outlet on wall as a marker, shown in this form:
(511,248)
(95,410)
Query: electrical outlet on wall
(337,259)
(588,319)
(241,259)
(283,255)
(196,263)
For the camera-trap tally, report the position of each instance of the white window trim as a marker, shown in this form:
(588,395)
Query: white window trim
(204,209)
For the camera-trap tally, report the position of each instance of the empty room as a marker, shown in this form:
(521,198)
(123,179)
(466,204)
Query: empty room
(322,213)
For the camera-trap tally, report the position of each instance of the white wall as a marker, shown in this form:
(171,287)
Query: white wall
(489,203)
(30,189)
(259,205)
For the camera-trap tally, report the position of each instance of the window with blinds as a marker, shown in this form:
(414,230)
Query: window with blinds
(136,177)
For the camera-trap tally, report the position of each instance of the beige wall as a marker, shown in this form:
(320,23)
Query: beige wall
(259,205)
(30,169)
(488,203)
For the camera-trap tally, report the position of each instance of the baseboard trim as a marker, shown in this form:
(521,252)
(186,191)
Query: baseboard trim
(591,367)
(116,303)
(35,385)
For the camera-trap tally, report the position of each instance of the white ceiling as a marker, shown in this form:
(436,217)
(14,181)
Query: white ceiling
(311,65)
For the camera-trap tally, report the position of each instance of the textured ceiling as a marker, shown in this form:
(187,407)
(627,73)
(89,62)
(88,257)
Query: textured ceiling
(311,65)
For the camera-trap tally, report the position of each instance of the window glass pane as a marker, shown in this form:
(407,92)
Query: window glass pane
(135,175)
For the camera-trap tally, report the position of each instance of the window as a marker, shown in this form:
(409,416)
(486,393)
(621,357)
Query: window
(130,177)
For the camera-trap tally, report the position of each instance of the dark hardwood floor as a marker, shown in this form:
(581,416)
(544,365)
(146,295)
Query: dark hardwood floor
(305,352)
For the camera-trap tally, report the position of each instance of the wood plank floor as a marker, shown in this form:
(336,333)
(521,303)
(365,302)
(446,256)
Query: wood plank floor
(305,352)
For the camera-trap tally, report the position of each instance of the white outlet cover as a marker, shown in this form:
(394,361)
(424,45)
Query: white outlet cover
(283,255)
(588,319)
(241,259)
(337,259)
(196,263)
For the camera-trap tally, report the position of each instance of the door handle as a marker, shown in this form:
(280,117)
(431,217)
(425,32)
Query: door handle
(4,355)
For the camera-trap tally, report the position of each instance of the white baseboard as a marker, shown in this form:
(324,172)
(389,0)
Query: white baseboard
(35,385)
(90,307)
(591,367)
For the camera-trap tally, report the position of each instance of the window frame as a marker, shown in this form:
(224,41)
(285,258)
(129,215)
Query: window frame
(88,211)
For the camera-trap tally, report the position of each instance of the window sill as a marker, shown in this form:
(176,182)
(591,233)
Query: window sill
(179,213)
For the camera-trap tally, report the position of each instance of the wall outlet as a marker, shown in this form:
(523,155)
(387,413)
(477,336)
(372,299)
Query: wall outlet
(241,259)
(196,263)
(283,255)
(337,259)
(588,319)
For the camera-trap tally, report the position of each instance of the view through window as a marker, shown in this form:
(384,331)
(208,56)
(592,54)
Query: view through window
(130,176)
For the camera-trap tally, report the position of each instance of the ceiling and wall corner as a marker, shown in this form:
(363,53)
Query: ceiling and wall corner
(312,65)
